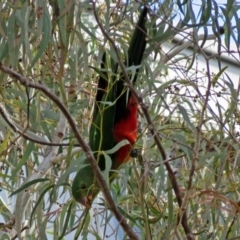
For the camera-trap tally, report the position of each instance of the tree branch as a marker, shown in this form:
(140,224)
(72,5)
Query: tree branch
(97,173)
(151,128)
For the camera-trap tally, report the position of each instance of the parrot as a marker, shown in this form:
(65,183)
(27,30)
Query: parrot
(115,118)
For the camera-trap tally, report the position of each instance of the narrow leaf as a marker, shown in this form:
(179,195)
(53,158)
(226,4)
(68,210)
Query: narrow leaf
(184,113)
(24,159)
(39,200)
(4,144)
(66,220)
(217,76)
(45,37)
(28,184)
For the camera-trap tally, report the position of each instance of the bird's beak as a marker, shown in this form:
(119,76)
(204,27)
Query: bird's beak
(86,201)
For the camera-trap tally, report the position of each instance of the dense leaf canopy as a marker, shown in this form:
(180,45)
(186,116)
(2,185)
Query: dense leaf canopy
(184,181)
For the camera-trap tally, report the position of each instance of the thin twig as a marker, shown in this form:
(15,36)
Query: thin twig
(26,133)
(16,236)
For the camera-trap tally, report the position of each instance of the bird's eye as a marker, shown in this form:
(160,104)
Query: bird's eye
(83,186)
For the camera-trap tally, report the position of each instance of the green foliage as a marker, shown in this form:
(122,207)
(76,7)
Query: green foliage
(192,100)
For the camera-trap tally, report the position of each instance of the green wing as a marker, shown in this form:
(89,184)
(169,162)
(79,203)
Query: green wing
(101,136)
